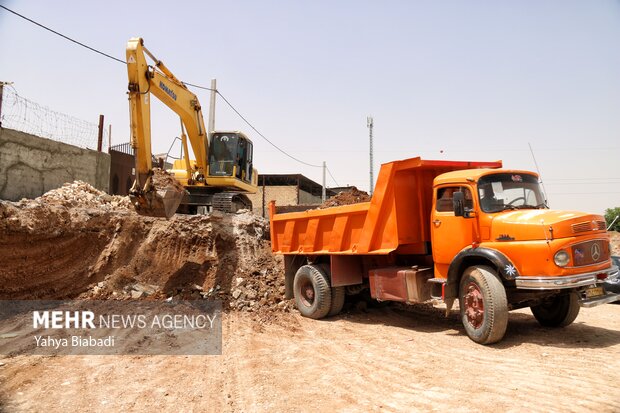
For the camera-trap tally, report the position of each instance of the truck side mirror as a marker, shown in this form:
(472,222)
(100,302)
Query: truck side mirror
(458,204)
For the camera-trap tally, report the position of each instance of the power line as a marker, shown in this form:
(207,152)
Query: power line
(62,35)
(252,126)
(330,174)
(186,83)
(263,136)
(585,193)
(583,183)
(199,87)
(584,179)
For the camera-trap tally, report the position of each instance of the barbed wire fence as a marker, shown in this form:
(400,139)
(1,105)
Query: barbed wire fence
(25,115)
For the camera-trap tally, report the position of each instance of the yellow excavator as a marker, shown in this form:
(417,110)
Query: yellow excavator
(222,172)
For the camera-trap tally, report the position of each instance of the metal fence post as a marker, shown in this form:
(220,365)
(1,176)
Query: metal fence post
(1,93)
(100,137)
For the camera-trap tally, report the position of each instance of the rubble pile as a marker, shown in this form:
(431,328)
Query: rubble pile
(80,194)
(261,289)
(76,241)
(348,197)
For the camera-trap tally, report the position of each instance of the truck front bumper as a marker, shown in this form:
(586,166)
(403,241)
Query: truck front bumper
(569,281)
(590,279)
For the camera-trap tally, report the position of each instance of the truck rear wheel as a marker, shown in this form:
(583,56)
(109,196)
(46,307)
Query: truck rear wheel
(483,305)
(338,296)
(558,311)
(313,296)
(338,293)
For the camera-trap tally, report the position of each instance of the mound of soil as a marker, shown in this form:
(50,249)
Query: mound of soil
(76,241)
(351,196)
(164,180)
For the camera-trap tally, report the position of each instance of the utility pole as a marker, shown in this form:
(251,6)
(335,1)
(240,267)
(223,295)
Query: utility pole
(370,124)
(211,126)
(324,193)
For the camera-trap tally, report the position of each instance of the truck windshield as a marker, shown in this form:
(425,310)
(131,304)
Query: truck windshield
(223,154)
(504,191)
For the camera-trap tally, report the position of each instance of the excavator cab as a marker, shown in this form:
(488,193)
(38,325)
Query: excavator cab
(230,155)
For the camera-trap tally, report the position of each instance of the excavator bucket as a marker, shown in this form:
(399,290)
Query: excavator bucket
(162,203)
(158,198)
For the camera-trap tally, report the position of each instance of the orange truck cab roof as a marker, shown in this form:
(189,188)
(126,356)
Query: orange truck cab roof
(473,175)
(397,216)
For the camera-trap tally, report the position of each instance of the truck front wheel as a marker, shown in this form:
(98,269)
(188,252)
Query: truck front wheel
(313,295)
(483,305)
(558,311)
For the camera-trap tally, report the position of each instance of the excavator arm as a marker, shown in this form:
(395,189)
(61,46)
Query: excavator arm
(146,80)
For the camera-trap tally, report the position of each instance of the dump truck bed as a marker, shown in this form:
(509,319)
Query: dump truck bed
(396,218)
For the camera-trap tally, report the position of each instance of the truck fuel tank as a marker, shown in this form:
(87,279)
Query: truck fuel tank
(405,284)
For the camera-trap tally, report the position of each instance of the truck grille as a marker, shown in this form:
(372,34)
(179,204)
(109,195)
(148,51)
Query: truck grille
(591,252)
(588,226)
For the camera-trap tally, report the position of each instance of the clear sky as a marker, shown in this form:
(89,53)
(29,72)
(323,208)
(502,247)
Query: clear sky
(463,80)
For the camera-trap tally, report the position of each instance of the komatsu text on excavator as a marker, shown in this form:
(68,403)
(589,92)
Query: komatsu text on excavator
(222,172)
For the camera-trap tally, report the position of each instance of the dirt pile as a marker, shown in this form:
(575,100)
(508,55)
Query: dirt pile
(351,196)
(76,241)
(164,180)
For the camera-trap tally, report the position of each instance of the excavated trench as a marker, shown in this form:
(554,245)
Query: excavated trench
(76,241)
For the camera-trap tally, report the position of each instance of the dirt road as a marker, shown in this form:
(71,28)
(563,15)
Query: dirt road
(385,359)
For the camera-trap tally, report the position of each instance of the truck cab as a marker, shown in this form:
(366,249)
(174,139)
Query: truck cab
(497,223)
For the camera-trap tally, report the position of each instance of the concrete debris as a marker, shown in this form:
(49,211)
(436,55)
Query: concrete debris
(83,195)
(137,294)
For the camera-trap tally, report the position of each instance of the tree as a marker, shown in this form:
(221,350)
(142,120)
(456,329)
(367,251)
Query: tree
(610,215)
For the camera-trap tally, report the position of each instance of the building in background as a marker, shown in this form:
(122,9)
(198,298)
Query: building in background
(290,191)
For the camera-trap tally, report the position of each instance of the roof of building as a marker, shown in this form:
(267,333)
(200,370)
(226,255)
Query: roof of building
(304,183)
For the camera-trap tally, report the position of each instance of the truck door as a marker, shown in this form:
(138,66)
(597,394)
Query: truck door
(449,233)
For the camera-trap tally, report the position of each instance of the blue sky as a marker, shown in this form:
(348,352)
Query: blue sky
(463,80)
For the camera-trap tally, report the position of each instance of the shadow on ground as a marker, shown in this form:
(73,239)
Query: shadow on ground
(522,328)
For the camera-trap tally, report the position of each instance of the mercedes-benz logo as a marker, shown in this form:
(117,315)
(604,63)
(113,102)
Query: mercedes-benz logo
(595,251)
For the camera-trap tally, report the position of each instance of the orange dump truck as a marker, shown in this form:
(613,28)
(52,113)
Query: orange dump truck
(448,230)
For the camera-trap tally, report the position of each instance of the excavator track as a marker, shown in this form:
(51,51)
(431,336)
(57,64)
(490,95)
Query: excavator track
(230,202)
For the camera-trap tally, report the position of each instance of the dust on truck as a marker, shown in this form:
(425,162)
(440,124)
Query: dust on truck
(449,230)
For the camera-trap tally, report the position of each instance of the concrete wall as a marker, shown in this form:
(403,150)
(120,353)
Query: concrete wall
(283,195)
(31,166)
(306,198)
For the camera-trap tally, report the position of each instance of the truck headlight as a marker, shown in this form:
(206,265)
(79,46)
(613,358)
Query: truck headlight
(561,258)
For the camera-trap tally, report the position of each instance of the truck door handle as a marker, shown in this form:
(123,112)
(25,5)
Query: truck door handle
(437,222)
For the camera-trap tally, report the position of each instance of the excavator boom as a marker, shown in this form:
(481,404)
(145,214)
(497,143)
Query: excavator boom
(144,81)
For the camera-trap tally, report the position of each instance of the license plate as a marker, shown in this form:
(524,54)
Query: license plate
(594,292)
